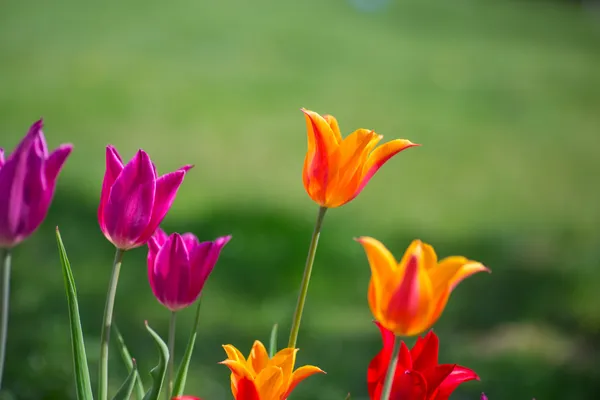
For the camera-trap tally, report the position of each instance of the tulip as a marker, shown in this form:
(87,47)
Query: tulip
(262,378)
(418,375)
(27,183)
(408,297)
(178,266)
(134,199)
(336,170)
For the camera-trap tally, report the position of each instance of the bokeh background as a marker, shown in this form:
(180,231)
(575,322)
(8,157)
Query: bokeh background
(503,95)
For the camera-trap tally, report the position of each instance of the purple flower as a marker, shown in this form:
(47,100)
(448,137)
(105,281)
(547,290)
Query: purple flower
(134,198)
(27,183)
(178,266)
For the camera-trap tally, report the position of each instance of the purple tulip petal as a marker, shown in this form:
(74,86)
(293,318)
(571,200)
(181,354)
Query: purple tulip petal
(1,157)
(114,167)
(172,273)
(203,259)
(166,189)
(55,162)
(191,241)
(130,203)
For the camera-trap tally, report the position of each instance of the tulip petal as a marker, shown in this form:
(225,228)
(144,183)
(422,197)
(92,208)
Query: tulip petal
(172,274)
(409,307)
(430,259)
(166,190)
(238,371)
(301,374)
(234,354)
(1,157)
(425,352)
(408,384)
(259,357)
(246,390)
(285,360)
(191,241)
(321,144)
(203,259)
(335,128)
(130,203)
(458,376)
(269,383)
(435,376)
(383,266)
(379,157)
(114,167)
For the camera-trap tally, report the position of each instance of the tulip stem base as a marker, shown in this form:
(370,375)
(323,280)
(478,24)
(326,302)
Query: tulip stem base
(171,345)
(310,259)
(106,326)
(5,294)
(391,372)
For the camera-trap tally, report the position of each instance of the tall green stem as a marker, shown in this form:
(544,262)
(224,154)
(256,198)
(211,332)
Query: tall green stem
(171,345)
(106,325)
(389,378)
(4,307)
(310,259)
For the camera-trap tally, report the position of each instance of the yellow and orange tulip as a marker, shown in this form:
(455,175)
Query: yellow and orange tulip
(269,378)
(408,297)
(335,169)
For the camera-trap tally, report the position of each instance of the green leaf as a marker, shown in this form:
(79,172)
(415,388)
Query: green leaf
(126,389)
(139,386)
(158,372)
(273,342)
(179,383)
(82,373)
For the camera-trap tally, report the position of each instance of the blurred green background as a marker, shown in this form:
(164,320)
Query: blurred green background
(504,96)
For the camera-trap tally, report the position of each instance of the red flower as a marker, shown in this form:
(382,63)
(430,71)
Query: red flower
(418,375)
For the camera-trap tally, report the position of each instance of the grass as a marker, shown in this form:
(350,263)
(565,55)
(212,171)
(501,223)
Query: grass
(502,95)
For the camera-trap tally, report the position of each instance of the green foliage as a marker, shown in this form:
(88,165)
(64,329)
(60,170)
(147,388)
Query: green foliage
(158,372)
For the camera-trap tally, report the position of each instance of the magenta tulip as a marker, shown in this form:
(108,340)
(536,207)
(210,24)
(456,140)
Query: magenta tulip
(27,183)
(178,266)
(134,199)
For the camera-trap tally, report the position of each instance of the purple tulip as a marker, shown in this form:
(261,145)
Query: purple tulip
(134,199)
(178,266)
(27,183)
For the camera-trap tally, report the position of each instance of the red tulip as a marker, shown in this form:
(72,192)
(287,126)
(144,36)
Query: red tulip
(418,375)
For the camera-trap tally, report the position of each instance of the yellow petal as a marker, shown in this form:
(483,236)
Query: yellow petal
(301,374)
(409,308)
(318,126)
(233,353)
(258,357)
(335,128)
(238,371)
(383,268)
(270,383)
(429,257)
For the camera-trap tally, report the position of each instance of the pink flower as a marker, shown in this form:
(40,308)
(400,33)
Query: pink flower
(27,183)
(134,198)
(178,266)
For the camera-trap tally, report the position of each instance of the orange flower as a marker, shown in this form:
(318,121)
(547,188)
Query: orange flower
(408,297)
(262,378)
(336,169)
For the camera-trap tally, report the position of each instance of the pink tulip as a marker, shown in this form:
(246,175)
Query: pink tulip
(134,199)
(178,266)
(27,183)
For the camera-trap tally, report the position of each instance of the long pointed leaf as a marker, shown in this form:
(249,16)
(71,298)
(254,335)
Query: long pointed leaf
(82,373)
(126,356)
(273,342)
(158,372)
(179,383)
(126,389)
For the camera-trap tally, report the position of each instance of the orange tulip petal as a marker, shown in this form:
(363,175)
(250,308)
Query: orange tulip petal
(238,369)
(285,360)
(247,390)
(410,306)
(379,157)
(451,271)
(301,374)
(270,383)
(335,128)
(258,357)
(233,353)
(429,257)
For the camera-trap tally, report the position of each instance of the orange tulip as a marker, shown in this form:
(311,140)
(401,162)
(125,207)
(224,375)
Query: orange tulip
(408,297)
(262,378)
(335,169)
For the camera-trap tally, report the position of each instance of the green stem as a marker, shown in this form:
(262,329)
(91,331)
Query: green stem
(171,341)
(389,378)
(4,307)
(310,259)
(106,325)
